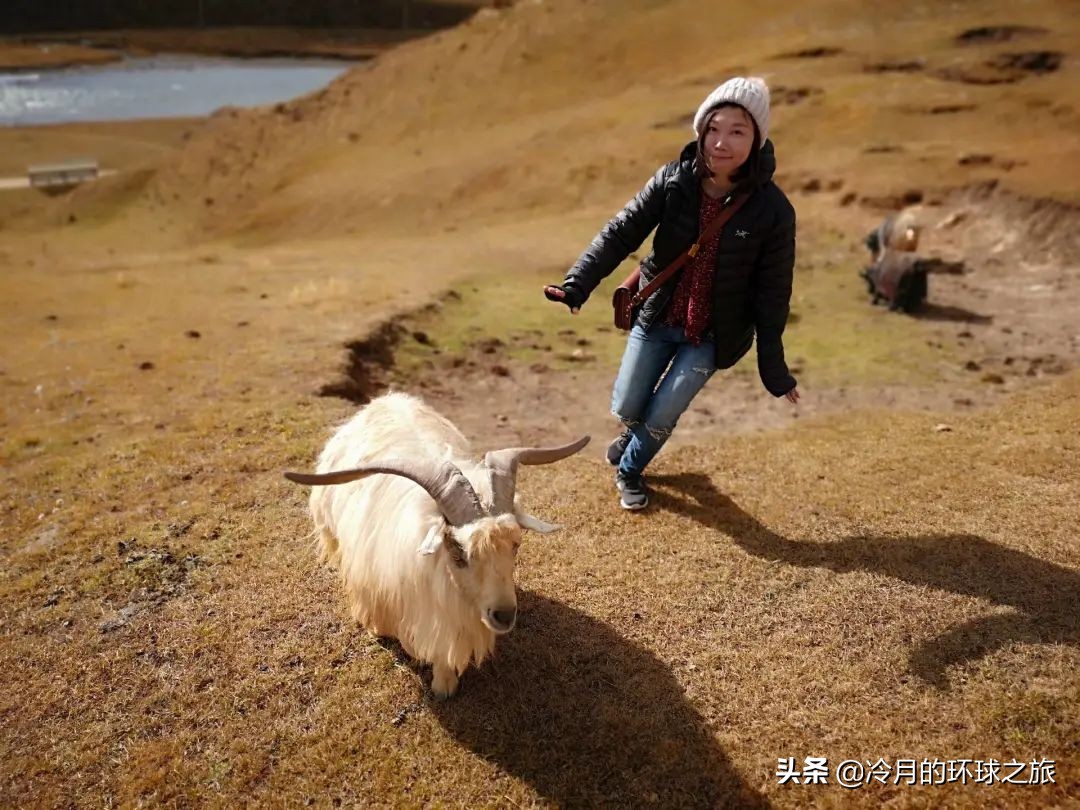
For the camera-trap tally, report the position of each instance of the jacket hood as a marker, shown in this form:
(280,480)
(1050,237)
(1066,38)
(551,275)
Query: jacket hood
(765,170)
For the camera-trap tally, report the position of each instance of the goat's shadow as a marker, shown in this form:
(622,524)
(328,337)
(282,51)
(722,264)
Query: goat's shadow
(1045,596)
(590,719)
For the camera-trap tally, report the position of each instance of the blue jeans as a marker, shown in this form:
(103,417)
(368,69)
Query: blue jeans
(649,406)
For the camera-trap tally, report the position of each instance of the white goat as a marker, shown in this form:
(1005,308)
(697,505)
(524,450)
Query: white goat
(426,551)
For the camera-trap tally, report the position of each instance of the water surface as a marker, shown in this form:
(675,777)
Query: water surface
(157,87)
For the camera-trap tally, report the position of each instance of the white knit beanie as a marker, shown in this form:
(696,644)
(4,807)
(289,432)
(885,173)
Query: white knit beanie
(751,93)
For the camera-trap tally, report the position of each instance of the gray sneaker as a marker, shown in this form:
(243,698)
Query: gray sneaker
(634,495)
(617,448)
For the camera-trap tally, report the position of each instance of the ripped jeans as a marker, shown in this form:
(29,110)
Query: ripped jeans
(652,410)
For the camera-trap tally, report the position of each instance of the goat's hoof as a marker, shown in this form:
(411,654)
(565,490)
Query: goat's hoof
(444,684)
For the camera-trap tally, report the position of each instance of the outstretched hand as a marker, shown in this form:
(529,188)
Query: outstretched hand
(792,396)
(558,296)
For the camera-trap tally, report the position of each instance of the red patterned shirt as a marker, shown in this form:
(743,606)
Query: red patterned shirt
(691,304)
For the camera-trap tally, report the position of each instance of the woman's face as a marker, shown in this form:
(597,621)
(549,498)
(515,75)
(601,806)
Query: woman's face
(729,137)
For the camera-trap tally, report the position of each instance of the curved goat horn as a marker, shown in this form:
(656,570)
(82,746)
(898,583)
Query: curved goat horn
(503,465)
(444,482)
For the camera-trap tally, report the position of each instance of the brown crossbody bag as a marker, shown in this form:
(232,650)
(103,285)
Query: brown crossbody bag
(627,297)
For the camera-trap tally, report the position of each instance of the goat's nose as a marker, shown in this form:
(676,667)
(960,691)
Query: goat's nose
(505,616)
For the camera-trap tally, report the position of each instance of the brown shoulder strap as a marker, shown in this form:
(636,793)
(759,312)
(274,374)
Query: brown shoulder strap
(713,228)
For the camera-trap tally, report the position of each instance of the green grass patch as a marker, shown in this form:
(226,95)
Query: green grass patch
(834,336)
(838,338)
(512,309)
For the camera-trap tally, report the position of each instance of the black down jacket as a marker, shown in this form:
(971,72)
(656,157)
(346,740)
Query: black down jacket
(754,263)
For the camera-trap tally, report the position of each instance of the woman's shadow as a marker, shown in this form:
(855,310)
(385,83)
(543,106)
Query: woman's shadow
(1045,596)
(590,719)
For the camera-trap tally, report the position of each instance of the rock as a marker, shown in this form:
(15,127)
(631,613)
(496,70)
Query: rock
(489,345)
(971,365)
(993,378)
(119,619)
(997,33)
(576,356)
(942,428)
(1033,62)
(146,365)
(193,333)
(500,371)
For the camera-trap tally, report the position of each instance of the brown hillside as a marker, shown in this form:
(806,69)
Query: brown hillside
(888,571)
(534,101)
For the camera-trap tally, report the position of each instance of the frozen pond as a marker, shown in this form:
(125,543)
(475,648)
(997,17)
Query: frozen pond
(158,87)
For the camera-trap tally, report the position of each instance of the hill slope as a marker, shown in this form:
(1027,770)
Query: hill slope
(866,583)
(556,105)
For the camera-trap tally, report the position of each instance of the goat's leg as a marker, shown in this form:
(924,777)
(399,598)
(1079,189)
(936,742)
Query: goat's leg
(444,681)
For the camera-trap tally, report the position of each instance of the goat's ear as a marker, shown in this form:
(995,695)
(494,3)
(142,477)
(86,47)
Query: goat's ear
(433,539)
(527,521)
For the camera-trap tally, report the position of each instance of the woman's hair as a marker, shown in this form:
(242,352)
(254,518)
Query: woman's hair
(748,174)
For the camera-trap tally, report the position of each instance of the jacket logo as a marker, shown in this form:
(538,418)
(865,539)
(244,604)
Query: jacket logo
(742,234)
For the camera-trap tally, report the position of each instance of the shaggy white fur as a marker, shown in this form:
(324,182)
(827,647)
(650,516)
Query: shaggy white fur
(385,535)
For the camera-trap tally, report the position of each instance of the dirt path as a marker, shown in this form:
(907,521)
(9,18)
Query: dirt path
(987,332)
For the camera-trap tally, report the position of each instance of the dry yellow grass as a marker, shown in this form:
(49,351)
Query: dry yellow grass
(125,146)
(855,586)
(20,55)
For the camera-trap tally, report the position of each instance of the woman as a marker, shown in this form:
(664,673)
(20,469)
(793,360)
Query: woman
(706,316)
